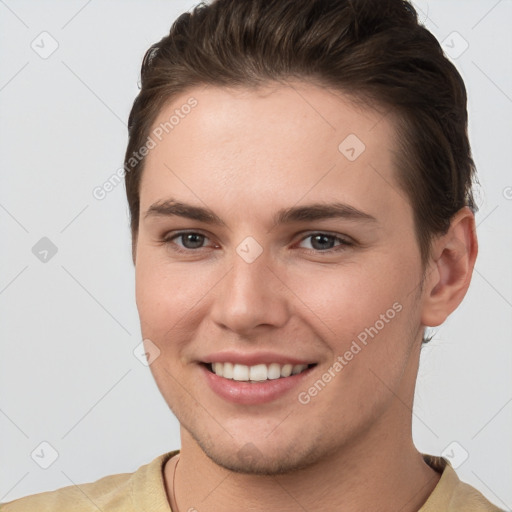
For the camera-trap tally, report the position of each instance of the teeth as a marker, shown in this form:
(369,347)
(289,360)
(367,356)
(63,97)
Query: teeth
(226,370)
(256,373)
(217,368)
(286,370)
(298,368)
(240,372)
(274,371)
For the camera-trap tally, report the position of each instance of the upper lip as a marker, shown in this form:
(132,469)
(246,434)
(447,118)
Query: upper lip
(253,358)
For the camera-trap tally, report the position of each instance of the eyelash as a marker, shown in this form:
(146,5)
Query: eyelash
(168,240)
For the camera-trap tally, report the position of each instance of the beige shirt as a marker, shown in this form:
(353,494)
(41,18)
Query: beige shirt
(144,491)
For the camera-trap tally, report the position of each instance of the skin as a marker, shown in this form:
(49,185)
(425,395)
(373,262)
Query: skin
(245,154)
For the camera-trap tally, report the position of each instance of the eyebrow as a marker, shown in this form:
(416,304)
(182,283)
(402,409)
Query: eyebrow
(306,213)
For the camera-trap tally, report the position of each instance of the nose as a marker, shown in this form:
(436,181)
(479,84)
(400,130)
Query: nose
(251,297)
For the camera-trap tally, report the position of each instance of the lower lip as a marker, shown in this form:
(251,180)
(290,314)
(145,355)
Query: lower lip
(252,393)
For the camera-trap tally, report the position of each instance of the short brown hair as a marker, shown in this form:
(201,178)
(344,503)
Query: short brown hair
(375,51)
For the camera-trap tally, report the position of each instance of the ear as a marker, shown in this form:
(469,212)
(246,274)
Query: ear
(449,273)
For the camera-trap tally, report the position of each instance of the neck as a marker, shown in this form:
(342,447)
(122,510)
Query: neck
(385,476)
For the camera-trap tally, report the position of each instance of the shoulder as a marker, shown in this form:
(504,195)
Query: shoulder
(467,498)
(87,497)
(112,493)
(453,495)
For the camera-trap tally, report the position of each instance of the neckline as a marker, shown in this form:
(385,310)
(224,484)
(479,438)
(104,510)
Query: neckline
(149,494)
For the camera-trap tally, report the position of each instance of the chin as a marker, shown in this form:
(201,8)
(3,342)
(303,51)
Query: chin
(250,460)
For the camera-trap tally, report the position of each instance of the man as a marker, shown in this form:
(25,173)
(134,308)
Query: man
(299,180)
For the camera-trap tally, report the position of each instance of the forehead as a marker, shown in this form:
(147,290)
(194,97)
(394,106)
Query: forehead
(244,116)
(278,142)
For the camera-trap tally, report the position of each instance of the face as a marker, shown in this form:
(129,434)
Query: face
(273,238)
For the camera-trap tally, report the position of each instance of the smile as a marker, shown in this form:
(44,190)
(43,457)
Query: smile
(256,373)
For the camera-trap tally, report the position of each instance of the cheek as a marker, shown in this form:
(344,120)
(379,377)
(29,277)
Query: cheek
(348,298)
(158,295)
(168,298)
(364,315)
(365,322)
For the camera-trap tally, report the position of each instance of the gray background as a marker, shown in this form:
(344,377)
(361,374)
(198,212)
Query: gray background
(69,325)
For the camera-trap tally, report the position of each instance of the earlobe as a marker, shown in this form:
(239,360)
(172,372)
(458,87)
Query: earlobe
(450,273)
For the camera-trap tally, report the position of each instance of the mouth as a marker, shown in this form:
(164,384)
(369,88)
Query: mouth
(256,373)
(256,384)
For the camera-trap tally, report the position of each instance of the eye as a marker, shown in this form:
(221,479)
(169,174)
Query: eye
(191,241)
(323,242)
